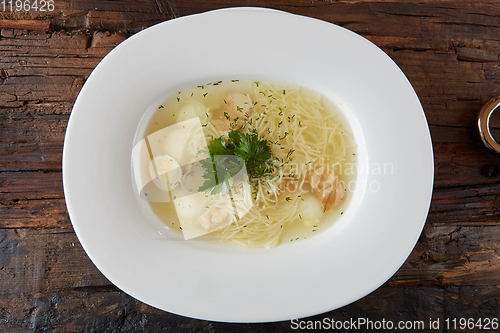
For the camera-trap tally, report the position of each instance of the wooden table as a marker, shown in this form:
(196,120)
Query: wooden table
(449,51)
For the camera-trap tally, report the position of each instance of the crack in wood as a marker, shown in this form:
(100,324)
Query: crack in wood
(59,171)
(96,288)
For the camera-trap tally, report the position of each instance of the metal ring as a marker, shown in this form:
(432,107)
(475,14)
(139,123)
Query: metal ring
(483,125)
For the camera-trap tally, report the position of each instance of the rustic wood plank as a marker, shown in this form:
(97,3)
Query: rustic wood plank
(420,18)
(33,213)
(31,110)
(123,20)
(453,255)
(24,34)
(468,205)
(73,43)
(358,16)
(479,55)
(30,185)
(32,200)
(35,25)
(50,88)
(58,54)
(21,128)
(451,91)
(409,43)
(37,261)
(48,283)
(117,312)
(31,156)
(461,164)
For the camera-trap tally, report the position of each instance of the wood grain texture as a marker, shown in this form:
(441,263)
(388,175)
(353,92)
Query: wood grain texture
(48,283)
(35,25)
(448,49)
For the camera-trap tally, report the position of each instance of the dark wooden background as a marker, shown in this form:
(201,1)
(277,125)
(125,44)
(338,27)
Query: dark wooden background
(449,50)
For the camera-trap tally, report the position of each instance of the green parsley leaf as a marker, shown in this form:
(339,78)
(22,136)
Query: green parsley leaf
(250,147)
(227,159)
(218,147)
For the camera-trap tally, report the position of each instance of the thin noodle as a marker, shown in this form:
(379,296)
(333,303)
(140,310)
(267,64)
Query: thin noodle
(317,138)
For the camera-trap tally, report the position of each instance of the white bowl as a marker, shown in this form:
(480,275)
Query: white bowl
(209,281)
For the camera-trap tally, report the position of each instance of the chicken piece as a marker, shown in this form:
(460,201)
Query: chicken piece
(327,186)
(221,125)
(232,114)
(217,216)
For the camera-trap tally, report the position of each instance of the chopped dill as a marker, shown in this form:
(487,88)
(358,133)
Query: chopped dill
(284,136)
